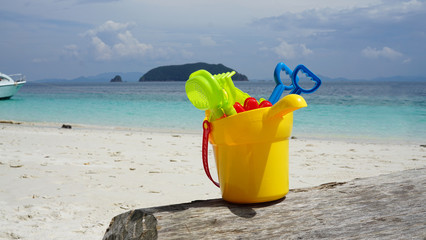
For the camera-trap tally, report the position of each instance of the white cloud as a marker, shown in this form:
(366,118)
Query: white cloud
(207,41)
(113,26)
(290,51)
(113,40)
(385,52)
(103,51)
(396,8)
(71,50)
(306,51)
(285,50)
(108,26)
(130,46)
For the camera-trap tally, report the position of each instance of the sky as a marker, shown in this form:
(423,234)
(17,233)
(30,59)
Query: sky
(361,39)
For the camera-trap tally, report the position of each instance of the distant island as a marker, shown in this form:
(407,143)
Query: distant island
(117,78)
(136,76)
(182,72)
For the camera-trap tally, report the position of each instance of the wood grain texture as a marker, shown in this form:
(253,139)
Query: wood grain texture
(385,207)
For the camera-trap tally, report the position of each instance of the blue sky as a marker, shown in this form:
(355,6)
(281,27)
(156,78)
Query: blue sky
(336,38)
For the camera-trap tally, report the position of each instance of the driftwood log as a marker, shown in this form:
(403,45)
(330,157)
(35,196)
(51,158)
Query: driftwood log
(389,206)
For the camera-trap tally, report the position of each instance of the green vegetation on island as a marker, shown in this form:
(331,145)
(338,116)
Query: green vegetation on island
(182,72)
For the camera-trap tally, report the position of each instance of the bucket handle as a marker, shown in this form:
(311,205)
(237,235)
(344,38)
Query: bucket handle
(206,132)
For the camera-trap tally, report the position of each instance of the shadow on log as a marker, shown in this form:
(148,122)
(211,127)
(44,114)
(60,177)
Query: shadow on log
(385,207)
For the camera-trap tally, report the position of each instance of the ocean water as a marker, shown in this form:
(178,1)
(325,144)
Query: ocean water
(365,110)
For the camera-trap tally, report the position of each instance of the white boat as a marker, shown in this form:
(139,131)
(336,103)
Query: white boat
(10,84)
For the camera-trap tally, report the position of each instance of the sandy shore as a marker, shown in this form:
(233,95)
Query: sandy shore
(68,183)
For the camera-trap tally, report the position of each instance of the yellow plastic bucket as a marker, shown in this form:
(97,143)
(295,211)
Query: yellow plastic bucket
(251,152)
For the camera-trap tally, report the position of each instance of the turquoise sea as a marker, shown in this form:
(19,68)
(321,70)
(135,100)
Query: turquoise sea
(357,110)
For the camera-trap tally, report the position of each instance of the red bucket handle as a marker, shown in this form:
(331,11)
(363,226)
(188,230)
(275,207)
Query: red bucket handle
(206,132)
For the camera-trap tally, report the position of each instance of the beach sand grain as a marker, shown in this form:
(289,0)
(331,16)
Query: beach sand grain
(69,183)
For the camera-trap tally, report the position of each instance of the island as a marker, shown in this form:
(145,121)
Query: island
(182,72)
(117,78)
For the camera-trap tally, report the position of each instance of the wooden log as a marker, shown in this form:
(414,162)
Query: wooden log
(389,206)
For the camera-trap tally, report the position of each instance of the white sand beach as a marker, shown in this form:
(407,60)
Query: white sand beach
(68,183)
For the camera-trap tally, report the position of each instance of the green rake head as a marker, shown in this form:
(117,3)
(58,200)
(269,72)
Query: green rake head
(216,93)
(236,95)
(205,93)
